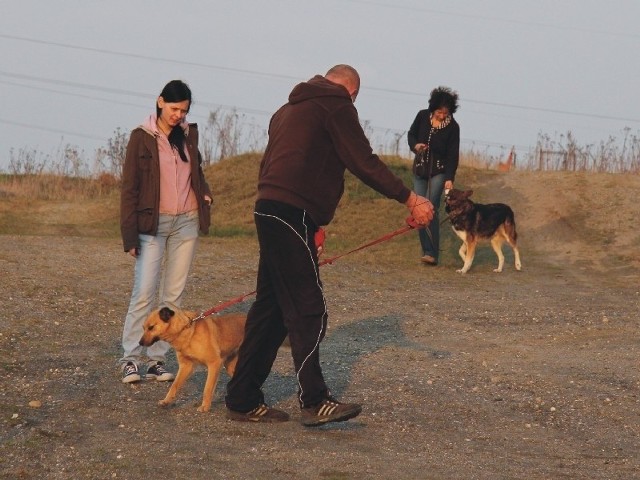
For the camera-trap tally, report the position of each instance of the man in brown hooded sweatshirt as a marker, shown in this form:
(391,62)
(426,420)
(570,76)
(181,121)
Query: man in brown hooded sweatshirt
(313,139)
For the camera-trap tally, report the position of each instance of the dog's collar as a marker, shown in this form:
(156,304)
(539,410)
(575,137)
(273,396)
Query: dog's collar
(195,319)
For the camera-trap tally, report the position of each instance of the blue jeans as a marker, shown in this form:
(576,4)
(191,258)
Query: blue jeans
(432,190)
(173,247)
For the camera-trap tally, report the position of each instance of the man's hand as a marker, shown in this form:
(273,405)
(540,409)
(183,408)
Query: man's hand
(421,209)
(319,241)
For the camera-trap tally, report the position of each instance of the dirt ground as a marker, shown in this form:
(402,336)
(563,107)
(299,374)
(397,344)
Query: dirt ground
(518,375)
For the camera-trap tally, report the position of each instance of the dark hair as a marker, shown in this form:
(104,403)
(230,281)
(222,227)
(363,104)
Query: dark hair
(173,92)
(443,97)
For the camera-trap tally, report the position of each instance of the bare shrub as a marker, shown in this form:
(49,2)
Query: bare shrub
(565,153)
(111,158)
(69,161)
(208,142)
(255,139)
(477,158)
(222,136)
(27,162)
(387,141)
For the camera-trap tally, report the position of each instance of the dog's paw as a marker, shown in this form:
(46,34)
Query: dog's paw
(203,408)
(164,402)
(497,270)
(461,270)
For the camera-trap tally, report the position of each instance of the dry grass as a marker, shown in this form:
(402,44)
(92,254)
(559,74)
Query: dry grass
(363,215)
(46,204)
(57,205)
(46,186)
(53,205)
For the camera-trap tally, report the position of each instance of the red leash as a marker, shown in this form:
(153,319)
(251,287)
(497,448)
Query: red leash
(411,224)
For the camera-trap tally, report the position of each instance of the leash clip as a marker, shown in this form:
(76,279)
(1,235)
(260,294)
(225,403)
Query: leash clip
(196,318)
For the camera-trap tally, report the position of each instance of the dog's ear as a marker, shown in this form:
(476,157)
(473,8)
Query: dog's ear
(165,314)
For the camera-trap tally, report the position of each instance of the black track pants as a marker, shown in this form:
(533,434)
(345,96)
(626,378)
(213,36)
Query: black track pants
(289,299)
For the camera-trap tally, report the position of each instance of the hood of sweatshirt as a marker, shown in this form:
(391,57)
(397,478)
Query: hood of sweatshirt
(316,87)
(150,126)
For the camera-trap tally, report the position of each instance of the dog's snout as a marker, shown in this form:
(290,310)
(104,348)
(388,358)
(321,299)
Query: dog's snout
(144,342)
(147,343)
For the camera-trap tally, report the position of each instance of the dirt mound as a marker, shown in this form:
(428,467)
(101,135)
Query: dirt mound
(572,218)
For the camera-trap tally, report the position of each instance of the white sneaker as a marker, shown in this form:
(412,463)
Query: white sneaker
(130,373)
(160,373)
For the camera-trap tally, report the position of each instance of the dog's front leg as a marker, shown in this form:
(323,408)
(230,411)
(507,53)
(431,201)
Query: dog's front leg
(213,370)
(185,369)
(463,248)
(463,251)
(470,252)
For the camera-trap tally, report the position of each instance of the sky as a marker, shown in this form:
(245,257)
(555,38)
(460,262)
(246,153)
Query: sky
(73,72)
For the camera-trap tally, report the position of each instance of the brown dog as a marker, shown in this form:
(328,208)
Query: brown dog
(210,341)
(474,221)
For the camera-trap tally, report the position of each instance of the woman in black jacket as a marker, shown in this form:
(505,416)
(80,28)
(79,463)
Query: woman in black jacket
(434,137)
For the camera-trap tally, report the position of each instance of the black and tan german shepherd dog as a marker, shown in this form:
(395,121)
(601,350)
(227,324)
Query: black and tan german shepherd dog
(473,222)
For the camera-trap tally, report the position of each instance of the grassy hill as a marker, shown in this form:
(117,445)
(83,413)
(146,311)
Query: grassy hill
(577,218)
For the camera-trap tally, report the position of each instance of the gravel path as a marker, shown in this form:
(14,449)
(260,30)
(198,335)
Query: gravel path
(529,375)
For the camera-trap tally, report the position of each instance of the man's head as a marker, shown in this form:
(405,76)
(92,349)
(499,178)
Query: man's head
(347,76)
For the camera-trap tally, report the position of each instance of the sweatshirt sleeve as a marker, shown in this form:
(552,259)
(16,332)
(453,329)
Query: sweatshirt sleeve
(354,150)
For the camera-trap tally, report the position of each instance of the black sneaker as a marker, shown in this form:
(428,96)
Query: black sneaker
(262,413)
(130,373)
(160,373)
(329,410)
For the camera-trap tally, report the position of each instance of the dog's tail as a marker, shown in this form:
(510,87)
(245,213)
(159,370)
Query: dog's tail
(510,226)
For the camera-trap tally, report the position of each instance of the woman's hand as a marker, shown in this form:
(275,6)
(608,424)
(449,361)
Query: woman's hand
(419,147)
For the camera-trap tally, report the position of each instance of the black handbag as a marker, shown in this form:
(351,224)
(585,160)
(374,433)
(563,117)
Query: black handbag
(421,165)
